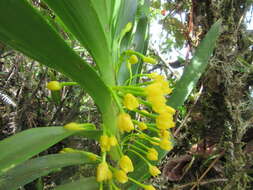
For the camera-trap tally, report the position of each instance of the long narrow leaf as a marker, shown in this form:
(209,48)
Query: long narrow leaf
(89,23)
(141,39)
(28,143)
(38,167)
(127,13)
(86,183)
(194,70)
(32,35)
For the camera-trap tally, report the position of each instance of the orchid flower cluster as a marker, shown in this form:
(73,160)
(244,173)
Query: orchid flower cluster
(144,122)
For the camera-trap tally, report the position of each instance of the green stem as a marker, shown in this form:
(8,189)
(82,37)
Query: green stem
(138,154)
(114,186)
(137,182)
(69,83)
(131,52)
(130,87)
(115,97)
(110,185)
(136,76)
(134,92)
(144,146)
(151,128)
(127,138)
(145,103)
(130,72)
(150,115)
(137,148)
(144,83)
(101,186)
(104,157)
(151,124)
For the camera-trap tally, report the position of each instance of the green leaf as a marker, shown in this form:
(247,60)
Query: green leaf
(30,33)
(86,183)
(126,14)
(140,42)
(88,21)
(91,134)
(197,66)
(38,167)
(141,39)
(28,143)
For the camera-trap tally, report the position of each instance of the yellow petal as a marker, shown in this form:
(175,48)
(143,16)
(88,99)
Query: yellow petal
(121,176)
(126,164)
(125,123)
(165,144)
(104,143)
(113,141)
(152,154)
(164,121)
(102,172)
(154,171)
(130,101)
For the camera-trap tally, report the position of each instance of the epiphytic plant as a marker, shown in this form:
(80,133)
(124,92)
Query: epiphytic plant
(136,119)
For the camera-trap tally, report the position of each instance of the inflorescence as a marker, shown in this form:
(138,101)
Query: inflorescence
(144,122)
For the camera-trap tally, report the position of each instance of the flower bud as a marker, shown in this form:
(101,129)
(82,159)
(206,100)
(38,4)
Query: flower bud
(152,154)
(68,150)
(130,102)
(128,27)
(104,143)
(54,85)
(142,126)
(165,144)
(126,164)
(165,121)
(154,171)
(113,141)
(149,60)
(133,59)
(125,123)
(73,127)
(121,176)
(102,172)
(149,187)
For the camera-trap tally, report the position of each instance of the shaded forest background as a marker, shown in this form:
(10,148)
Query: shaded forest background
(214,134)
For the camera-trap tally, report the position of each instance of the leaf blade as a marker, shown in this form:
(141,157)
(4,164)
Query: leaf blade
(28,143)
(197,66)
(38,167)
(88,183)
(89,23)
(33,36)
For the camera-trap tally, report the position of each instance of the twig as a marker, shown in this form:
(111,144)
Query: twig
(189,112)
(163,60)
(7,54)
(198,182)
(201,183)
(10,74)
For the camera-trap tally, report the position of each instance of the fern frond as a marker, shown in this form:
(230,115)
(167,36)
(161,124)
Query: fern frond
(6,99)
